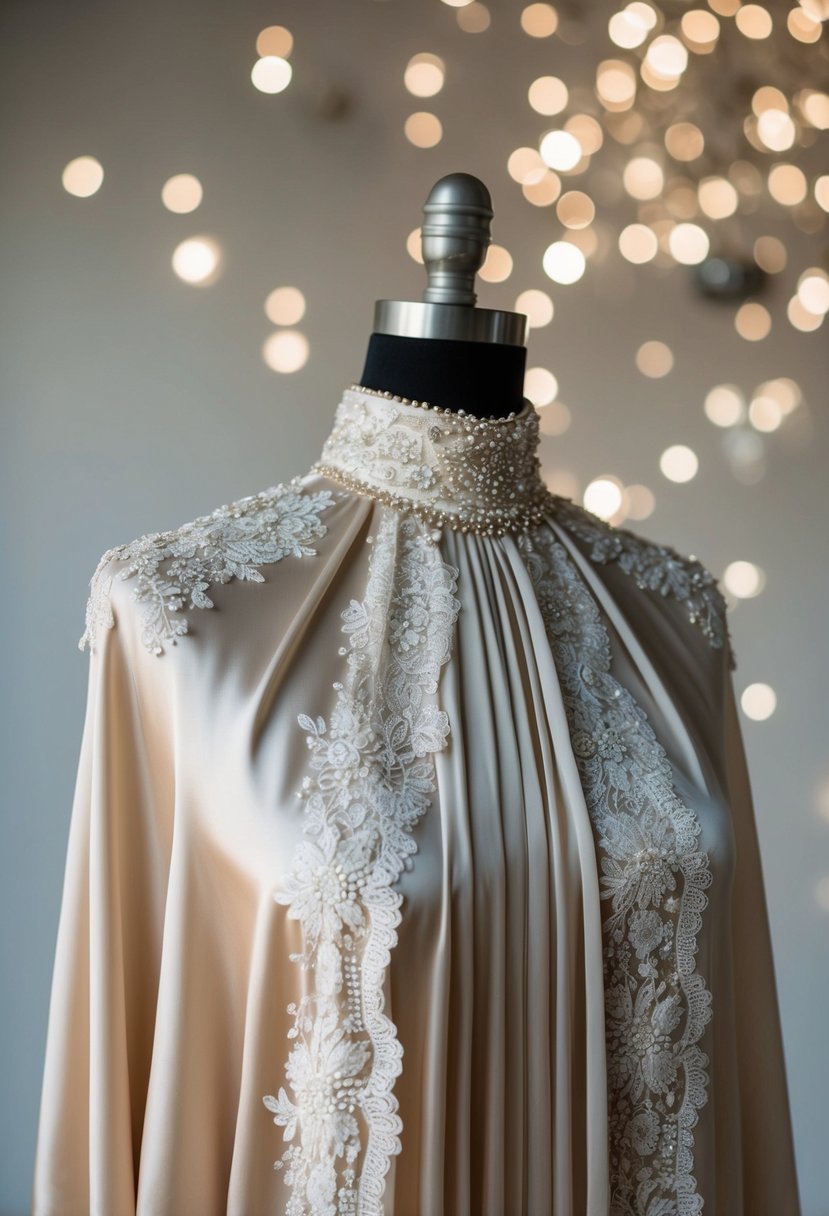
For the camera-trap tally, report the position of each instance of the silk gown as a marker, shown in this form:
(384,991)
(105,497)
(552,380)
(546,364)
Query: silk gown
(412,867)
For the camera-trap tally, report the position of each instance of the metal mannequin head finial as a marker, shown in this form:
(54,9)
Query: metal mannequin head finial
(455,235)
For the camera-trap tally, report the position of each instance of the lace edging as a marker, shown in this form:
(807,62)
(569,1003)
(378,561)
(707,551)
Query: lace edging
(647,846)
(373,777)
(654,567)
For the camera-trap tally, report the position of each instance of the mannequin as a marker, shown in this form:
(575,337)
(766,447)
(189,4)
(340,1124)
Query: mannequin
(445,351)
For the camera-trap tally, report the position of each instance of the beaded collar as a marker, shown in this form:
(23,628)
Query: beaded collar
(447,466)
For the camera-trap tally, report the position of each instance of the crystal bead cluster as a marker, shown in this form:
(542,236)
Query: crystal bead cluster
(446,466)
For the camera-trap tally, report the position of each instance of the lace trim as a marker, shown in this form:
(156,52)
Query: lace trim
(655,877)
(655,568)
(228,543)
(373,780)
(473,474)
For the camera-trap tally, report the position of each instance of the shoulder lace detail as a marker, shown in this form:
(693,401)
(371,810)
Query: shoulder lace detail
(654,877)
(655,568)
(230,542)
(373,777)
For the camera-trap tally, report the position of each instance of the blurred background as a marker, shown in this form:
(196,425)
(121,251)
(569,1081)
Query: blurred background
(201,203)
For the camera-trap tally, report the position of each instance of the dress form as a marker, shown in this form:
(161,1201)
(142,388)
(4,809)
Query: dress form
(444,350)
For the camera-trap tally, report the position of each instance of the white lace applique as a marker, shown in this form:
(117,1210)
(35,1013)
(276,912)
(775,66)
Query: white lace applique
(655,877)
(373,780)
(228,543)
(655,568)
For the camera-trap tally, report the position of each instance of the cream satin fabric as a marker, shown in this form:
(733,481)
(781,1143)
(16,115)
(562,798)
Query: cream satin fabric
(168,1019)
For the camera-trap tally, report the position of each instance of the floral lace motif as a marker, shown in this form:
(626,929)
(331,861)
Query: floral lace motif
(373,780)
(473,474)
(655,568)
(654,876)
(228,543)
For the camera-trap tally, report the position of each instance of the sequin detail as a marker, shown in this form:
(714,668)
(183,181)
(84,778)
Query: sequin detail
(230,542)
(447,467)
(654,876)
(655,568)
(372,780)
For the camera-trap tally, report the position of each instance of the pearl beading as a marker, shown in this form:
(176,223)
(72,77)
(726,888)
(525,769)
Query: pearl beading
(446,466)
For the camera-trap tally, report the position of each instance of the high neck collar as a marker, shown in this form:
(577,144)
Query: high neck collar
(474,474)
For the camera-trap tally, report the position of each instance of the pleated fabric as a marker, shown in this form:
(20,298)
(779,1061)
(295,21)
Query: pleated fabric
(170,1016)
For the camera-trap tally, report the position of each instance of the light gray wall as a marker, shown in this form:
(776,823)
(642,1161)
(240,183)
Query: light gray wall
(132,402)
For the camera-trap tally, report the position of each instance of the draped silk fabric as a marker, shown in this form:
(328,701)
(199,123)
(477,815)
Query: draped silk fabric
(412,867)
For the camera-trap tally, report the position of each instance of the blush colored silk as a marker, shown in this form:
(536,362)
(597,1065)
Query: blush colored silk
(172,976)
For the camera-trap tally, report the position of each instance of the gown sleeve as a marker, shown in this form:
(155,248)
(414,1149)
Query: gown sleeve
(769,1174)
(108,950)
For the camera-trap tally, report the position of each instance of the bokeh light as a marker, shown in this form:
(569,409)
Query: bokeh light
(197,260)
(83,176)
(182,193)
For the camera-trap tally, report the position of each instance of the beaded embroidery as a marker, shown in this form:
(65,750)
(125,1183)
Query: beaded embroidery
(655,877)
(448,467)
(655,568)
(373,780)
(228,543)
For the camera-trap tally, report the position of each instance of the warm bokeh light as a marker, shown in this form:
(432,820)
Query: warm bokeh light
(752,321)
(539,20)
(638,243)
(615,84)
(717,197)
(473,18)
(630,27)
(576,209)
(538,307)
(678,463)
(548,95)
(688,243)
(643,177)
(800,317)
(764,413)
(813,291)
(603,496)
(725,405)
(787,184)
(425,74)
(286,350)
(182,193)
(666,56)
(563,262)
(543,192)
(654,359)
(744,579)
(197,260)
(759,702)
(753,21)
(560,150)
(562,482)
(554,419)
(271,74)
(83,176)
(540,385)
(525,165)
(640,501)
(497,264)
(423,129)
(770,254)
(684,141)
(285,306)
(275,40)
